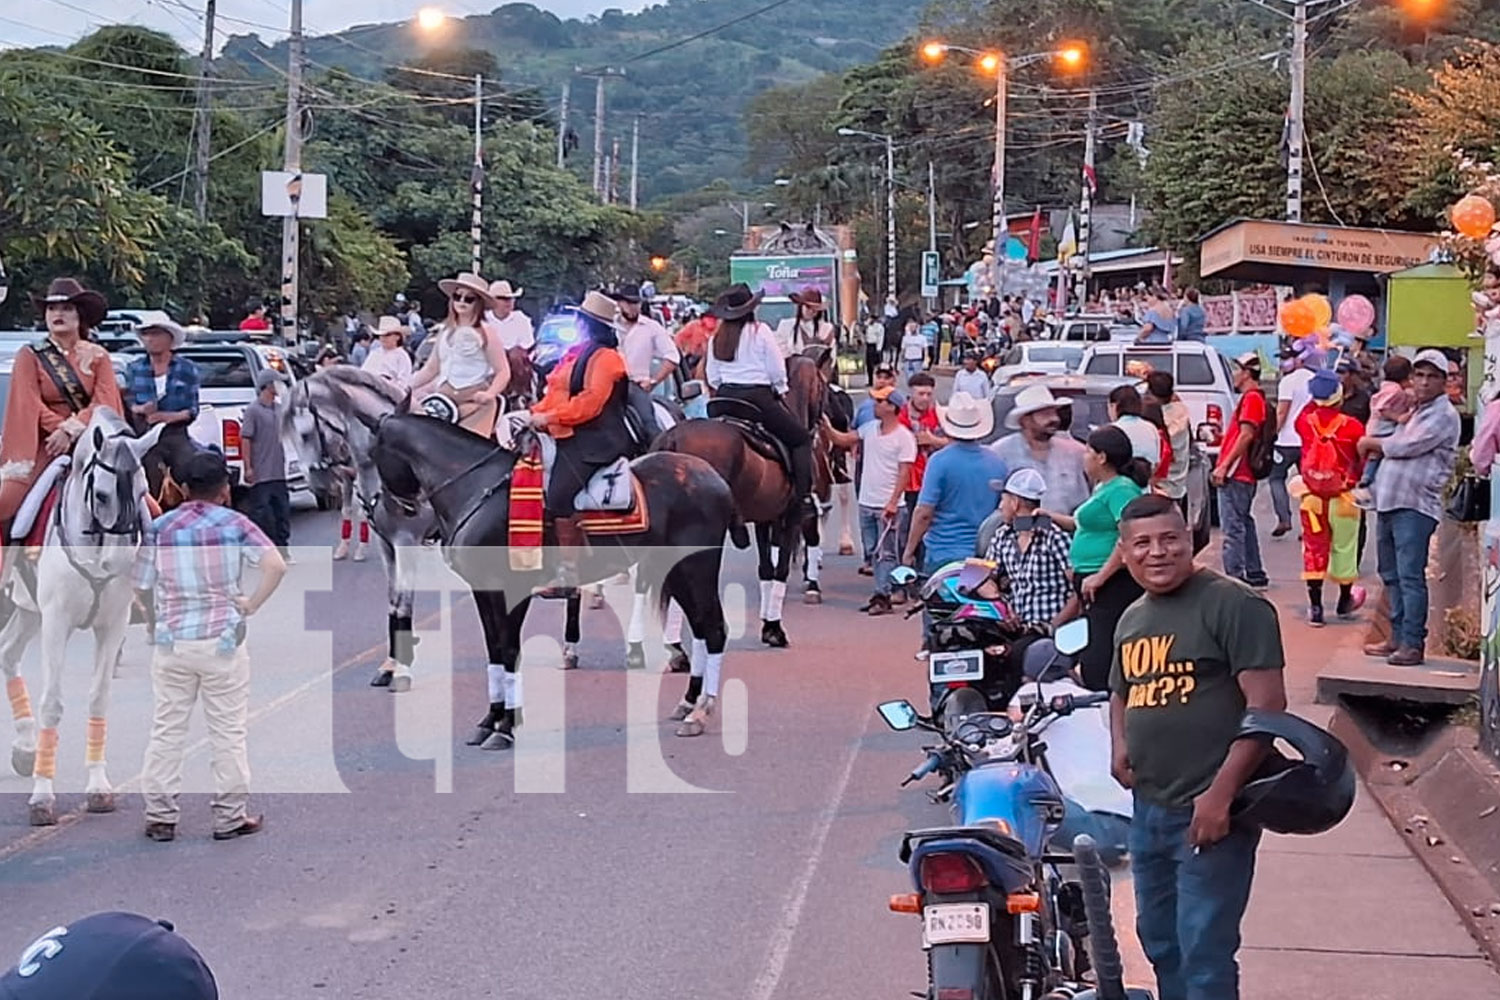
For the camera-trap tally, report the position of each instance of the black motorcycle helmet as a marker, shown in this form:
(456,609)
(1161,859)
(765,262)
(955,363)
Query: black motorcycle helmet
(1304,796)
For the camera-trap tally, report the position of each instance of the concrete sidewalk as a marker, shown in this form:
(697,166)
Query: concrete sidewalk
(1351,913)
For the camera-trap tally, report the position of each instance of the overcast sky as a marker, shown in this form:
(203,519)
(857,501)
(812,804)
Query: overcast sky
(58,22)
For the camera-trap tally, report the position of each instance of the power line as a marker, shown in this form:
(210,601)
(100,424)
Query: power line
(702,34)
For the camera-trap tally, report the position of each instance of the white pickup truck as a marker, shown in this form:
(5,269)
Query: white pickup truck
(1202,376)
(228,385)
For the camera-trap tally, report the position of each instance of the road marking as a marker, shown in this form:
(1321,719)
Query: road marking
(43,834)
(785,933)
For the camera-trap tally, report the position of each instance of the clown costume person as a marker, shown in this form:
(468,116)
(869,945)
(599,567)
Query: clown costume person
(1329,468)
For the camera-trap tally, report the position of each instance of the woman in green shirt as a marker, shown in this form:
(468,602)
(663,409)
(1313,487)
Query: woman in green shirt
(1104,587)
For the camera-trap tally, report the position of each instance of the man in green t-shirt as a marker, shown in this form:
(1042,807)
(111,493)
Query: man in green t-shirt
(1189,658)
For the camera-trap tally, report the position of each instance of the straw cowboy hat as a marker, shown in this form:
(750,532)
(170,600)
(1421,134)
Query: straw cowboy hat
(179,335)
(90,305)
(471,282)
(501,290)
(966,418)
(1030,400)
(735,302)
(808,297)
(390,324)
(599,306)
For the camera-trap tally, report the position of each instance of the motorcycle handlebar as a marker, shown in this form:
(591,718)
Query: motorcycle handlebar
(933,760)
(1064,704)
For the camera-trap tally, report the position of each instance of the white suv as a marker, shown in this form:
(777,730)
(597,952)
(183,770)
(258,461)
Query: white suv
(1201,374)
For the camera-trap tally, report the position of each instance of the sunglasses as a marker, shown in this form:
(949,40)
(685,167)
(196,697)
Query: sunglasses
(465,299)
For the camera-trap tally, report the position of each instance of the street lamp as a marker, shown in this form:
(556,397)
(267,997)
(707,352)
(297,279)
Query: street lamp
(430,18)
(1071,56)
(890,201)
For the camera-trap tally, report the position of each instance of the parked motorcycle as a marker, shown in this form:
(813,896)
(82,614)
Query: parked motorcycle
(1004,913)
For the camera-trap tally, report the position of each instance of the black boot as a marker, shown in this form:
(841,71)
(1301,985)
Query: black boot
(802,478)
(1346,600)
(486,727)
(1315,603)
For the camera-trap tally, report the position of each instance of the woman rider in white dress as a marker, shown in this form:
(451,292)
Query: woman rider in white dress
(467,372)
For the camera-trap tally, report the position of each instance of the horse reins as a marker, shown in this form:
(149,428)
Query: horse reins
(127,525)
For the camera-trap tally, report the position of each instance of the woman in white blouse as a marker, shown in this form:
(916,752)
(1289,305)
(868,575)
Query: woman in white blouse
(809,327)
(388,358)
(745,363)
(467,366)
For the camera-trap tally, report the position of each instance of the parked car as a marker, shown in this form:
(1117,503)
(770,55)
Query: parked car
(1089,329)
(1203,379)
(1088,410)
(228,385)
(1037,357)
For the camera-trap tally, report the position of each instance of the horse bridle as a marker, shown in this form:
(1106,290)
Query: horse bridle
(127,523)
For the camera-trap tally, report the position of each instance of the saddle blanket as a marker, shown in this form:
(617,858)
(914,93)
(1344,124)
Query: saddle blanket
(632,520)
(608,490)
(31,517)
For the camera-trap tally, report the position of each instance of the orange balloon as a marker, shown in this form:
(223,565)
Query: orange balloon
(1322,310)
(1473,216)
(1298,319)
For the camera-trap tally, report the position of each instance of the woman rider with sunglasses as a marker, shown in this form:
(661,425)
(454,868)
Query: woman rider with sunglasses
(467,366)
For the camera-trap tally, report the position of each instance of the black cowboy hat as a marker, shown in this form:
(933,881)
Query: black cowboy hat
(628,293)
(736,302)
(90,305)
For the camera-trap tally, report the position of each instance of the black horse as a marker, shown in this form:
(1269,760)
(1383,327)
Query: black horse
(466,480)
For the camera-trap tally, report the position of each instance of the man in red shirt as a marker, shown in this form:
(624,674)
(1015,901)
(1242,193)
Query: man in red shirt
(1236,483)
(256,322)
(692,343)
(920,416)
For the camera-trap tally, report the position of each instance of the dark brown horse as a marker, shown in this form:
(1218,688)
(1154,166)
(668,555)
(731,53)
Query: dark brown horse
(761,484)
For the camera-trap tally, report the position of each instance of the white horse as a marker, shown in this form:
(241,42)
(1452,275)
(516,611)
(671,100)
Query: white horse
(81,581)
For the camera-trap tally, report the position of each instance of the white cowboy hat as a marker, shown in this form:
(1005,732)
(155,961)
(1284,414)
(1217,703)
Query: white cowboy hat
(1030,400)
(390,324)
(966,418)
(179,335)
(599,306)
(501,290)
(469,281)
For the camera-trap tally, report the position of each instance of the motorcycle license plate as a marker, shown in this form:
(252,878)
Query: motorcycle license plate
(956,923)
(956,665)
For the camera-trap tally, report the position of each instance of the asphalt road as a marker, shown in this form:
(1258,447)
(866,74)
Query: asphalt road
(370,882)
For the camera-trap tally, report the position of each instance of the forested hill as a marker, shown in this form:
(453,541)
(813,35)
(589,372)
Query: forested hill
(690,97)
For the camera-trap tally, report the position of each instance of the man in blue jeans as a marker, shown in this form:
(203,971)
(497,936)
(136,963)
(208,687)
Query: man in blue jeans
(1235,481)
(1416,463)
(1190,657)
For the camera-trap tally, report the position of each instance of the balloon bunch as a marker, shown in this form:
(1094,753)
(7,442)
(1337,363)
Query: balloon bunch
(1316,338)
(1473,216)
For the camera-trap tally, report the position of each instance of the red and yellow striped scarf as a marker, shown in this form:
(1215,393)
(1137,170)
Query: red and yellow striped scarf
(527,511)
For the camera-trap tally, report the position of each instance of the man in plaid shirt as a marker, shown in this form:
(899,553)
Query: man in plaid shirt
(191,561)
(163,389)
(1030,553)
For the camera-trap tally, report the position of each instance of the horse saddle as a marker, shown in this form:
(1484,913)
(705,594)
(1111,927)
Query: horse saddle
(746,418)
(39,499)
(612,488)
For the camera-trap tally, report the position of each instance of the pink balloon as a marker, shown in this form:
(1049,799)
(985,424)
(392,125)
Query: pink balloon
(1356,314)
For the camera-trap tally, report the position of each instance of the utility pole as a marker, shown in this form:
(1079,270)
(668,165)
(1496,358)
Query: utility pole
(1295,113)
(562,126)
(613,172)
(635,161)
(601,179)
(1086,208)
(476,178)
(290,226)
(890,215)
(999,233)
(202,121)
(931,219)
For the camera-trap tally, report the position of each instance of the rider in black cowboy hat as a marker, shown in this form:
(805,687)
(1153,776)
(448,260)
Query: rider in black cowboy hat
(745,363)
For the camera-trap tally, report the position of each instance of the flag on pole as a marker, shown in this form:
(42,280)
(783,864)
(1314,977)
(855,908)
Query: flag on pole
(1068,245)
(1091,178)
(1034,244)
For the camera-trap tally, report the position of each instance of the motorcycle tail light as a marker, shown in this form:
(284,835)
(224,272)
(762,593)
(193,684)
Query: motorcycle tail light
(232,440)
(951,873)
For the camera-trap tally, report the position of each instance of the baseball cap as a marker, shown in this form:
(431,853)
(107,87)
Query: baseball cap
(1325,387)
(1431,356)
(1027,484)
(888,392)
(265,377)
(110,956)
(885,370)
(1249,360)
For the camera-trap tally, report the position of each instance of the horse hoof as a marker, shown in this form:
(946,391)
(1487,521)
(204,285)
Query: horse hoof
(43,814)
(498,741)
(400,685)
(846,548)
(690,728)
(596,600)
(773,635)
(813,595)
(100,802)
(23,762)
(570,661)
(381,679)
(479,736)
(679,663)
(682,711)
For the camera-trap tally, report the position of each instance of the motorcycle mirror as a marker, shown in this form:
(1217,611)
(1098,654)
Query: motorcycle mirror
(899,715)
(903,575)
(1072,638)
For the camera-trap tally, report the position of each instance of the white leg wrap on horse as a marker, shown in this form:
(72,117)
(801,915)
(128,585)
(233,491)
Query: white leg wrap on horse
(637,630)
(765,600)
(699,657)
(777,599)
(711,675)
(815,563)
(513,690)
(671,631)
(495,674)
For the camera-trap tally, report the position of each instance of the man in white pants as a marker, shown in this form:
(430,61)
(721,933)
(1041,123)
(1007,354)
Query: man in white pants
(192,561)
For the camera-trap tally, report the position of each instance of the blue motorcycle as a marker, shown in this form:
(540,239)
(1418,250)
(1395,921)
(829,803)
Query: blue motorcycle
(1005,915)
